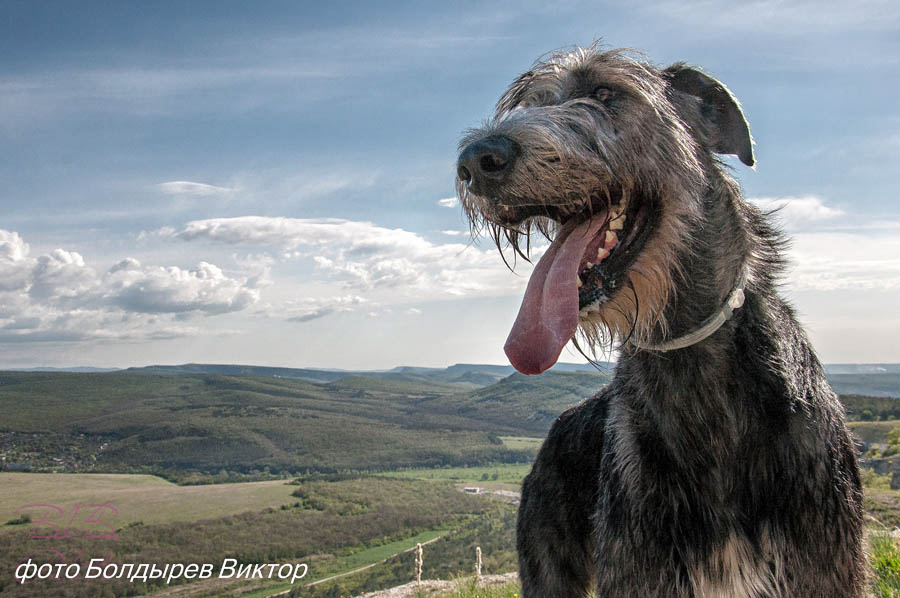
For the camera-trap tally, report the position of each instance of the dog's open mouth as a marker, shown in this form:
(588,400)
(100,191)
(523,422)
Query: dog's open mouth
(586,263)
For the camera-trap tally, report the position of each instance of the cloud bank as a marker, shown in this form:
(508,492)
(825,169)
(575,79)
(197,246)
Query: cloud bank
(366,257)
(59,297)
(192,188)
(313,268)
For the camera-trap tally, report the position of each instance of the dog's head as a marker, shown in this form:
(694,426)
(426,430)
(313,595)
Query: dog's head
(609,157)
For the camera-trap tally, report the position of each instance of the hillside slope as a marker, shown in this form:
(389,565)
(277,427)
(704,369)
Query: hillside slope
(225,425)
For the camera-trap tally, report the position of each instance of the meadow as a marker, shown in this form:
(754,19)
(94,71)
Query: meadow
(510,473)
(345,474)
(138,498)
(330,526)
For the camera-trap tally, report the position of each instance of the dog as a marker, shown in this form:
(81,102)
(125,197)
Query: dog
(716,463)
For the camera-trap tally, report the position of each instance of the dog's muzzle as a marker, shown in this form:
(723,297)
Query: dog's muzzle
(484,165)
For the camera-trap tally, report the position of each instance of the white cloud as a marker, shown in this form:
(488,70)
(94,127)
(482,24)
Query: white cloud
(15,267)
(61,274)
(449,202)
(313,308)
(205,289)
(291,233)
(831,250)
(163,233)
(192,188)
(366,257)
(48,323)
(396,266)
(829,261)
(58,297)
(12,247)
(798,213)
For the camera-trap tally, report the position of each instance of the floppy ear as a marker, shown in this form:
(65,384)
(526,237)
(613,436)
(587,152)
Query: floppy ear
(727,129)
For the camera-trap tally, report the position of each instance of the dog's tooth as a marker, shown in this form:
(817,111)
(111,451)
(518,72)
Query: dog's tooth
(602,254)
(611,239)
(580,284)
(617,223)
(588,265)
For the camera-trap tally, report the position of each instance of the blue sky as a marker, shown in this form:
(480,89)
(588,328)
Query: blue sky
(263,182)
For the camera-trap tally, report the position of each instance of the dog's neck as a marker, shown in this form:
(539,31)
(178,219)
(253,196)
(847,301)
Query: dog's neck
(696,382)
(710,326)
(712,276)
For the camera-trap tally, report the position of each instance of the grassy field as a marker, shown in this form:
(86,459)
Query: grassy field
(350,500)
(353,561)
(511,473)
(873,431)
(885,554)
(469,589)
(332,526)
(139,498)
(522,442)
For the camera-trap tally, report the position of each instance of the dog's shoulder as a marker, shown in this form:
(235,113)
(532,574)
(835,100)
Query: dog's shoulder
(579,429)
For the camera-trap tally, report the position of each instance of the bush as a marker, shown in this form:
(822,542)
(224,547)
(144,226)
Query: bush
(20,520)
(886,565)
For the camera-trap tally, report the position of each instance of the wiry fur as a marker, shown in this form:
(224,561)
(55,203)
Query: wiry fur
(570,151)
(720,470)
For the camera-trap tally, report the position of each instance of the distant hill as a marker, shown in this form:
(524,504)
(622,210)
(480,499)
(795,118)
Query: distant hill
(84,369)
(523,404)
(448,373)
(876,380)
(465,373)
(241,370)
(239,424)
(862,368)
(231,419)
(873,385)
(162,421)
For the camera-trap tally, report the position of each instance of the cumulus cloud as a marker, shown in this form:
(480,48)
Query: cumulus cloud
(15,267)
(397,266)
(61,274)
(204,289)
(799,213)
(313,308)
(368,257)
(191,188)
(58,297)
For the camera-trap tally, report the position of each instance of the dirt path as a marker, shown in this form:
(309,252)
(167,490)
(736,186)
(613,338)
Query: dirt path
(369,566)
(434,587)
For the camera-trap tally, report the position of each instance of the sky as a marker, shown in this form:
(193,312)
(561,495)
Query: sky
(272,183)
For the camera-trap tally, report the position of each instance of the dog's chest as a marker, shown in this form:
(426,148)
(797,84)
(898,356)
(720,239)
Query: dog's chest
(672,531)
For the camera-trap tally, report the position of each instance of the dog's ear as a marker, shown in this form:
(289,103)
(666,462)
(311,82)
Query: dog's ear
(724,123)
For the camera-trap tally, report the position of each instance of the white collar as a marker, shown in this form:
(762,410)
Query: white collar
(734,301)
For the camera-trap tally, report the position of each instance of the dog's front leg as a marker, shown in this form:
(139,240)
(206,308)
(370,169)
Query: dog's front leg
(554,534)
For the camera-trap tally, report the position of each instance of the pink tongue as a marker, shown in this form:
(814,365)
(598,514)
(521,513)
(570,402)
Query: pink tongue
(548,316)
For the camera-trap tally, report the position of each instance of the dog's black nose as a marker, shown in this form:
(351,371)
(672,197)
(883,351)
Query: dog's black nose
(486,162)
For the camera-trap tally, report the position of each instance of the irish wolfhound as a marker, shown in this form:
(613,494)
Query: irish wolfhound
(716,463)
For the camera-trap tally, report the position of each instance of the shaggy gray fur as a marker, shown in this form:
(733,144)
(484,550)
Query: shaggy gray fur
(720,470)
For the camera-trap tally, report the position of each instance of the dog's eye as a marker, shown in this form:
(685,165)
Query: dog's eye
(603,94)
